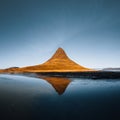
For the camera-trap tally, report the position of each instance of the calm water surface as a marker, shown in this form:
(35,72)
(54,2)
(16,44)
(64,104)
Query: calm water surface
(54,98)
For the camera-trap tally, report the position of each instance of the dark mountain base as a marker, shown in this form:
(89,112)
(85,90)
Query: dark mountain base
(90,75)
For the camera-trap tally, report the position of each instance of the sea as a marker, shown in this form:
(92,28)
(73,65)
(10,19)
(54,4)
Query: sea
(29,98)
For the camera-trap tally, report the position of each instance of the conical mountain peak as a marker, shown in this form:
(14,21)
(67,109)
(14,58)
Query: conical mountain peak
(59,62)
(60,53)
(60,49)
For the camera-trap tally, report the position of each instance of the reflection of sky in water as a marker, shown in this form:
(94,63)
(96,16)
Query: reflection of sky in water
(92,85)
(24,84)
(83,98)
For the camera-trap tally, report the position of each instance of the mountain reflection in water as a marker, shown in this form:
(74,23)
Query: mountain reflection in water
(59,83)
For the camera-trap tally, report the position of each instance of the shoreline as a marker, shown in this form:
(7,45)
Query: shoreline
(80,74)
(86,74)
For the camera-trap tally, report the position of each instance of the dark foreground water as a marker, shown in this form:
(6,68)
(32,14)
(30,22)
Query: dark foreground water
(27,98)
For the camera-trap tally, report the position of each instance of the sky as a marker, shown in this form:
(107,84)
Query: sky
(32,30)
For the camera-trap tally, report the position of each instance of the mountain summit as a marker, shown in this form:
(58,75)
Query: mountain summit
(59,62)
(60,54)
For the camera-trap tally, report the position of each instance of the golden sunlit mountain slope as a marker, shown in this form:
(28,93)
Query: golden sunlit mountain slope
(59,62)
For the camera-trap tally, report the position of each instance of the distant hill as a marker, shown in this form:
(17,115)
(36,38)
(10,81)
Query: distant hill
(111,69)
(9,70)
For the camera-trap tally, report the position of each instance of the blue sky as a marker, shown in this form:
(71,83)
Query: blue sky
(32,30)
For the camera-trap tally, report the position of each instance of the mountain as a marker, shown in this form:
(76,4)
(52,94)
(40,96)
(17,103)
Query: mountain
(59,62)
